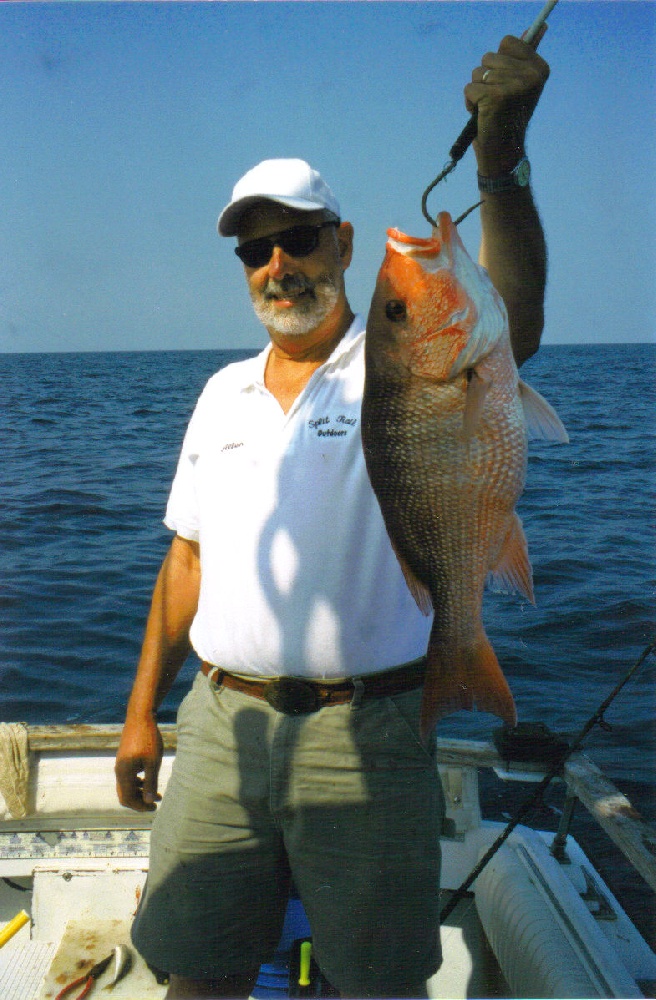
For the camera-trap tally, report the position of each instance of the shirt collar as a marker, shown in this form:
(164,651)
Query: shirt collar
(257,365)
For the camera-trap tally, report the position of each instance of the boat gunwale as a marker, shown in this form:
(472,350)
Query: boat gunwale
(610,808)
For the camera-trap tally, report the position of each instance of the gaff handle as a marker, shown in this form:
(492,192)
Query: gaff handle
(465,139)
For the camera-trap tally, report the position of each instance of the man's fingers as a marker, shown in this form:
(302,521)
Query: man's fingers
(137,764)
(133,791)
(541,32)
(149,785)
(514,60)
(517,48)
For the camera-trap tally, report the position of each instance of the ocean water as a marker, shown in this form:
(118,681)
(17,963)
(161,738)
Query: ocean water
(89,444)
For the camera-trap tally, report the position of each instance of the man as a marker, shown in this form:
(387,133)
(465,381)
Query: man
(299,754)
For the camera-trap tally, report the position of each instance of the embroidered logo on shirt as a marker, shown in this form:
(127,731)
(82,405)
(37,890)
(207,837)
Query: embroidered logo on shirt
(233,444)
(321,426)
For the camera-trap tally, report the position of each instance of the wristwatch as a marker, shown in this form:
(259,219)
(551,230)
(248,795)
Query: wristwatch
(518,177)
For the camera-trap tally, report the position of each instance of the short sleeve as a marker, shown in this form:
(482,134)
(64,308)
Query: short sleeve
(182,508)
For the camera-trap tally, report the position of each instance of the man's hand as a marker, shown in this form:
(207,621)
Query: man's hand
(505,89)
(137,764)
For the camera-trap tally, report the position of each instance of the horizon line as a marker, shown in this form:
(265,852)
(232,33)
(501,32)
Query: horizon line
(198,350)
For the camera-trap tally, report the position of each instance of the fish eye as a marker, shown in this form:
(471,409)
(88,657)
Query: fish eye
(395,310)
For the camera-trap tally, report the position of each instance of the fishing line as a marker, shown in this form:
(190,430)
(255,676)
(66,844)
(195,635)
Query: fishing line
(463,142)
(597,718)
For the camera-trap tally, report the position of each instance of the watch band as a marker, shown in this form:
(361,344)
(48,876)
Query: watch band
(518,177)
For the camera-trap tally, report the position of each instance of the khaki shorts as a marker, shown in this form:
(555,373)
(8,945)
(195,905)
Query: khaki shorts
(346,801)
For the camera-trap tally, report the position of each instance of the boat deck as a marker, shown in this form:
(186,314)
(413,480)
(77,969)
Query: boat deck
(532,924)
(33,969)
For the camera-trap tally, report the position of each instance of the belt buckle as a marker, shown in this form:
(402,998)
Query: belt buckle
(292,696)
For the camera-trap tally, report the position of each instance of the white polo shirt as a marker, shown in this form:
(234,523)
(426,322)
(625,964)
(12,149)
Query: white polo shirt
(298,576)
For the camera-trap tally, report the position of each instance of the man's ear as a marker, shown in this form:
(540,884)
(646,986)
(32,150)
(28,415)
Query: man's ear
(345,243)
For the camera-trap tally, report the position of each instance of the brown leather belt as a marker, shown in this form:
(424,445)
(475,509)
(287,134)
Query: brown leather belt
(298,696)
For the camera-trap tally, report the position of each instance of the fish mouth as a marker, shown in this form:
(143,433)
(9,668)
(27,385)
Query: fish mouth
(431,254)
(408,242)
(413,245)
(444,233)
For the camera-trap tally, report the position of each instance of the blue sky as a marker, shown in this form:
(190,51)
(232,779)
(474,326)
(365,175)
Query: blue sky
(125,125)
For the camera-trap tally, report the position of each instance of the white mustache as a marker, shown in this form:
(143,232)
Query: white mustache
(293,284)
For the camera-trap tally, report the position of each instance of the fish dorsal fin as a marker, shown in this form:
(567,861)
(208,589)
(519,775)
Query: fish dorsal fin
(419,591)
(477,389)
(512,571)
(542,421)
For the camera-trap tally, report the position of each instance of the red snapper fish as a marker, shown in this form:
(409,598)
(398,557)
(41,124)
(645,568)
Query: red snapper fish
(445,424)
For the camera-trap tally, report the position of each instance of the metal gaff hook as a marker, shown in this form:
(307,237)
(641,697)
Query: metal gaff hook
(468,134)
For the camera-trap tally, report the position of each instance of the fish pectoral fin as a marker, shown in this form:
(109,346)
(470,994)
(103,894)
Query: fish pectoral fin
(512,571)
(542,421)
(419,590)
(464,679)
(477,390)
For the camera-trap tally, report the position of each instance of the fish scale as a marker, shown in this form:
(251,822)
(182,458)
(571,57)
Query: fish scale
(445,422)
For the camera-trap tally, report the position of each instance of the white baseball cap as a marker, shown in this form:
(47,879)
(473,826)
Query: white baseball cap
(290,182)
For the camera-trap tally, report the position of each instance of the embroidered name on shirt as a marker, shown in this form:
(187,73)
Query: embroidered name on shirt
(322,428)
(233,444)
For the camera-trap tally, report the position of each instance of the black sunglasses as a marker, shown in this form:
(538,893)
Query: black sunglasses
(299,241)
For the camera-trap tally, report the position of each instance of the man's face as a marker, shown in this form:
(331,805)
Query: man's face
(293,295)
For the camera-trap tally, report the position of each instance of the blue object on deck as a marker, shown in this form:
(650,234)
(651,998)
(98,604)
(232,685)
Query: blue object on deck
(273,979)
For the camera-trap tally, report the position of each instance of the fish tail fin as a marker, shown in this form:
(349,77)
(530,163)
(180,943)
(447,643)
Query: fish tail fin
(464,678)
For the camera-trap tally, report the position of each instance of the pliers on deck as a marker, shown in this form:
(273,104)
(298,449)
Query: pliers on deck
(122,960)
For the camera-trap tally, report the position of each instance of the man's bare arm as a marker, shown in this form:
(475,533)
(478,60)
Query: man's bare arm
(514,252)
(165,648)
(513,247)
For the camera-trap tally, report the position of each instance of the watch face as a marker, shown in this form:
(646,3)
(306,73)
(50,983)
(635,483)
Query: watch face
(522,172)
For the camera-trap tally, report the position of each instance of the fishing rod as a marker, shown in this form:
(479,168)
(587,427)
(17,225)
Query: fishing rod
(596,719)
(532,37)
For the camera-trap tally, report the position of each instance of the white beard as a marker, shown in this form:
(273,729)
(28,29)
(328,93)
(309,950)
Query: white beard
(308,311)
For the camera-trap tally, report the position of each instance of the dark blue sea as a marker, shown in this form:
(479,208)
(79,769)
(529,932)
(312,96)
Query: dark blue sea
(89,445)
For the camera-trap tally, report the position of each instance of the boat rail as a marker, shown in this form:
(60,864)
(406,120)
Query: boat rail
(585,782)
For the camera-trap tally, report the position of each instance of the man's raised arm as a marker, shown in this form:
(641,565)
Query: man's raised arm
(505,89)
